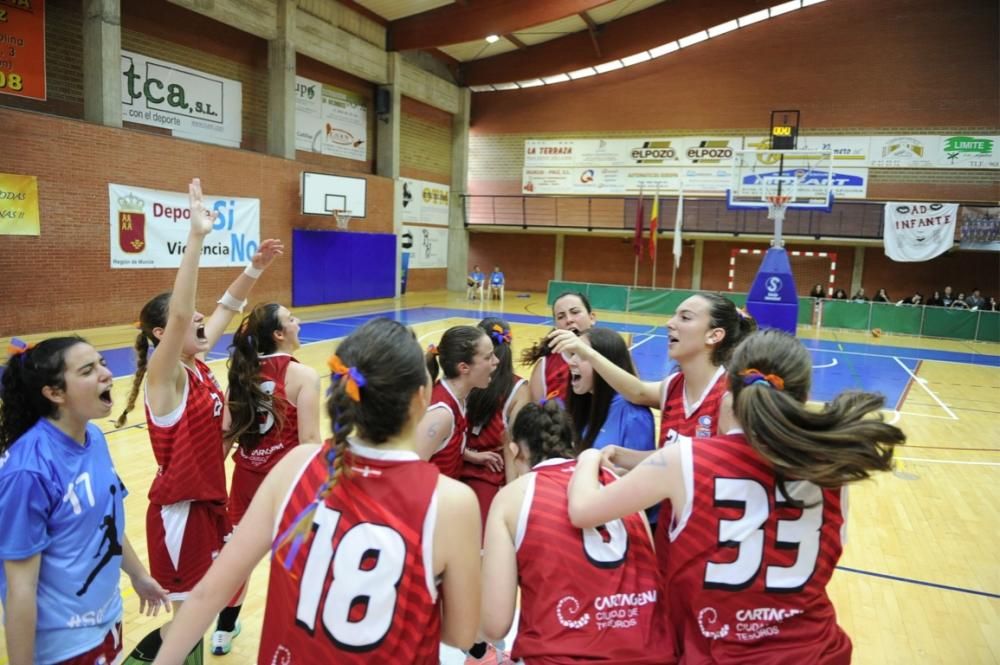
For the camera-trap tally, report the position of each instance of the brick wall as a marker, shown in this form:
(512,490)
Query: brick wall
(75,161)
(527,260)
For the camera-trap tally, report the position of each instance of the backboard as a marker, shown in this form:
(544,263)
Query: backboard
(802,178)
(323,193)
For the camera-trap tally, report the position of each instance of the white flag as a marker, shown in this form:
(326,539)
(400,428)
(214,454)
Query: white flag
(919,231)
(677,230)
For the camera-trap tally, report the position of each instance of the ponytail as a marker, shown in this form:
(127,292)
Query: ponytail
(153,315)
(141,359)
(247,401)
(769,378)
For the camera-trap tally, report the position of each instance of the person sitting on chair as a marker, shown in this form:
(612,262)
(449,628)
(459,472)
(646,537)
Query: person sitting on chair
(496,283)
(475,282)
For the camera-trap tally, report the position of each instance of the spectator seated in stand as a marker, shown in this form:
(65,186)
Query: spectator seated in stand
(840,294)
(859,296)
(959,302)
(936,300)
(475,282)
(881,296)
(976,300)
(496,284)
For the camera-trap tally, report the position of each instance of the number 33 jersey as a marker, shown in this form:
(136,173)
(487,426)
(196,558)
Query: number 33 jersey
(748,570)
(360,588)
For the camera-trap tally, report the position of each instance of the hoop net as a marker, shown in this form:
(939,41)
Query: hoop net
(342,217)
(776,204)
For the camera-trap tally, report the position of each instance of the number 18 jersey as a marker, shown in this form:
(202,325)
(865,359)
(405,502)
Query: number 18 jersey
(360,588)
(747,571)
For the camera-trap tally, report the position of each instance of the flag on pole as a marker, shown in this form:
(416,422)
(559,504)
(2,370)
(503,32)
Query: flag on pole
(637,240)
(654,225)
(678,247)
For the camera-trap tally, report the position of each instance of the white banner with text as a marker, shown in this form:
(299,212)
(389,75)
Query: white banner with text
(330,120)
(919,231)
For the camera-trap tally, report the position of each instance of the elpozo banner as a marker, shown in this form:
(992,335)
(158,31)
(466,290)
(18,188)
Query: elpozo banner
(330,120)
(424,202)
(149,229)
(19,205)
(190,103)
(919,231)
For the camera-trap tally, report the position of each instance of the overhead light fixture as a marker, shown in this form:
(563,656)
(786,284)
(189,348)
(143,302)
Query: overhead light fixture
(785,7)
(557,78)
(750,19)
(642,56)
(669,47)
(492,39)
(582,73)
(609,66)
(693,39)
(530,83)
(723,28)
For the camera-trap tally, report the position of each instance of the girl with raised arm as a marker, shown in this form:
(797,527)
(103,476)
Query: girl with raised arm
(758,511)
(63,544)
(186,521)
(375,554)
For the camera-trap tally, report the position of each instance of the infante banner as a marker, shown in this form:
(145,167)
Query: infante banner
(919,231)
(149,229)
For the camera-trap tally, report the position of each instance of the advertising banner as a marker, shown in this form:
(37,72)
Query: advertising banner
(427,245)
(19,205)
(330,120)
(149,229)
(191,104)
(919,231)
(424,202)
(22,48)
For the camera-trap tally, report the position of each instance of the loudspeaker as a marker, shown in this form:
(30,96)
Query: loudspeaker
(383,101)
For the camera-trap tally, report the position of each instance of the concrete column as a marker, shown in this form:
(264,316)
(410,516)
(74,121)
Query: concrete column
(281,83)
(699,256)
(858,274)
(557,273)
(458,236)
(102,62)
(387,130)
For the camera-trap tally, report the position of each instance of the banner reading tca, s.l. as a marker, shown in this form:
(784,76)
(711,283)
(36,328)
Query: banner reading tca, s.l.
(22,48)
(149,229)
(18,205)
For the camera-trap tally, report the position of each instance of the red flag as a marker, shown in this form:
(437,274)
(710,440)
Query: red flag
(637,241)
(654,225)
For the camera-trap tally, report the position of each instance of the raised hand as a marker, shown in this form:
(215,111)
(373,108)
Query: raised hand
(269,250)
(202,219)
(567,342)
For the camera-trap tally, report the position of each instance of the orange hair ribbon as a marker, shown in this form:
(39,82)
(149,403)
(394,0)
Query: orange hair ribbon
(751,376)
(355,380)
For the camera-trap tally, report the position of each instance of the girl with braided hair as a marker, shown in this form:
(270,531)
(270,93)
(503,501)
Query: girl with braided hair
(272,405)
(375,554)
(490,412)
(758,511)
(465,355)
(63,544)
(186,521)
(584,574)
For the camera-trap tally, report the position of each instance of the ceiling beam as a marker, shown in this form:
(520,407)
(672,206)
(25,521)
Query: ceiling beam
(592,28)
(622,37)
(515,41)
(474,19)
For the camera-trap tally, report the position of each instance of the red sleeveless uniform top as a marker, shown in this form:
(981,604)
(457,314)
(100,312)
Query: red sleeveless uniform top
(556,375)
(277,437)
(586,594)
(189,455)
(698,420)
(449,458)
(748,571)
(359,589)
(490,437)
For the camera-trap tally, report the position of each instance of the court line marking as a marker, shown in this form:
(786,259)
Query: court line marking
(638,344)
(910,580)
(832,363)
(923,385)
(947,461)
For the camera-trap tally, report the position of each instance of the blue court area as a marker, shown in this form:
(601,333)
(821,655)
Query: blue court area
(837,366)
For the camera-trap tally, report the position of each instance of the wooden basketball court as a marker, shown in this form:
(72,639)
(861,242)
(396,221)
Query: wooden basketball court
(919,580)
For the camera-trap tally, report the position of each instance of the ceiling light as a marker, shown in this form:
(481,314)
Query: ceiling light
(756,17)
(785,7)
(691,40)
(636,59)
(531,83)
(558,78)
(481,88)
(582,73)
(492,39)
(505,86)
(722,28)
(806,3)
(664,49)
(609,66)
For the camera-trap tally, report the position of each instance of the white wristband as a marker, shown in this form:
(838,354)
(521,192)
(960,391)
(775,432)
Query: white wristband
(230,302)
(252,272)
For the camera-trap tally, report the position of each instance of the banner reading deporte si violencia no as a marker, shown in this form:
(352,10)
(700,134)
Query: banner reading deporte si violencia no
(149,229)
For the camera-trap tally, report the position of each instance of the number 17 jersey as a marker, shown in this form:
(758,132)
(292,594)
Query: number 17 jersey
(360,588)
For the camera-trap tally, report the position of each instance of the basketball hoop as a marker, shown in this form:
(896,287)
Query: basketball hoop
(776,205)
(342,217)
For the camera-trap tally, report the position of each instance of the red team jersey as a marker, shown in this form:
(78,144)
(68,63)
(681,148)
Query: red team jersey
(490,437)
(449,458)
(698,420)
(276,438)
(360,589)
(555,372)
(586,594)
(191,463)
(747,575)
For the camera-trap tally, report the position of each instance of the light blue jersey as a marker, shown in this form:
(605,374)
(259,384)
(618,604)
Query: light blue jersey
(65,501)
(627,425)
